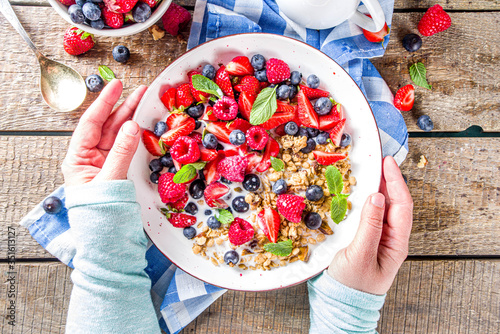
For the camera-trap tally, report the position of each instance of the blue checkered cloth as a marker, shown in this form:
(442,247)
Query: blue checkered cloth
(178,297)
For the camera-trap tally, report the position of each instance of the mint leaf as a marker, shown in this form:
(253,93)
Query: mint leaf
(198,165)
(264,107)
(334,180)
(282,248)
(277,164)
(185,174)
(338,208)
(225,217)
(106,73)
(204,84)
(417,74)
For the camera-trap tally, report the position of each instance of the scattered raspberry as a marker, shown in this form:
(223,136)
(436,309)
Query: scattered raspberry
(181,220)
(185,150)
(175,18)
(240,232)
(226,108)
(257,137)
(291,207)
(277,71)
(170,192)
(180,204)
(434,20)
(248,84)
(77,41)
(112,19)
(233,168)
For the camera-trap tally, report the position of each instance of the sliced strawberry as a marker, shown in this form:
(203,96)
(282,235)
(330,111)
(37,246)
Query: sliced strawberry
(285,107)
(272,150)
(222,130)
(180,204)
(404,98)
(208,115)
(224,82)
(253,161)
(181,219)
(178,166)
(217,203)
(264,84)
(175,120)
(168,98)
(240,66)
(336,132)
(183,96)
(327,122)
(152,143)
(245,103)
(312,93)
(280,130)
(305,111)
(207,155)
(199,96)
(240,124)
(230,150)
(248,84)
(328,158)
(269,221)
(284,114)
(183,129)
(378,36)
(215,190)
(210,170)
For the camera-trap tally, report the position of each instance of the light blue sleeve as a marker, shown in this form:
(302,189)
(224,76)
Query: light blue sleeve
(111,290)
(336,308)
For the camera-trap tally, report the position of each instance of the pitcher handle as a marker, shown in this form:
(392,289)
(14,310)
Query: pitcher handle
(373,24)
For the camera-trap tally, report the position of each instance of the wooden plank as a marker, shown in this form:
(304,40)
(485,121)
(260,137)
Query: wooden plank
(462,68)
(456,197)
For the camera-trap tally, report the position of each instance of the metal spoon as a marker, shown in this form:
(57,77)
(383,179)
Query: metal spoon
(63,89)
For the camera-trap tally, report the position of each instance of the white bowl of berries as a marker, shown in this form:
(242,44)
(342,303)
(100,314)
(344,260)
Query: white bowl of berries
(258,152)
(111,17)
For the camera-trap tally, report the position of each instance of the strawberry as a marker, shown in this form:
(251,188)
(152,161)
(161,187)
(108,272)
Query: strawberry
(77,41)
(67,2)
(280,130)
(175,120)
(210,170)
(312,93)
(305,111)
(328,158)
(217,203)
(170,192)
(183,96)
(253,161)
(240,232)
(208,115)
(434,20)
(291,207)
(180,204)
(151,142)
(272,150)
(327,122)
(269,221)
(150,3)
(199,96)
(224,82)
(284,113)
(181,220)
(182,125)
(248,84)
(168,98)
(207,155)
(215,190)
(185,150)
(175,18)
(277,70)
(245,103)
(376,37)
(239,66)
(405,96)
(120,6)
(112,19)
(233,168)
(336,132)
(222,130)
(230,150)
(197,137)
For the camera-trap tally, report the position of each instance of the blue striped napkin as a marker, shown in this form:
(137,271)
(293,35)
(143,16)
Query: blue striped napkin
(178,297)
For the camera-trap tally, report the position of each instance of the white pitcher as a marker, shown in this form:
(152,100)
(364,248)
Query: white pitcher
(324,14)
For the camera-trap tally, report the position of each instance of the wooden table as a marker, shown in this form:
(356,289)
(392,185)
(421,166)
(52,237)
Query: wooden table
(450,281)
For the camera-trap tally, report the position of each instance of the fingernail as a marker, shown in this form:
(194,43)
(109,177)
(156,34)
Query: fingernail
(378,200)
(130,128)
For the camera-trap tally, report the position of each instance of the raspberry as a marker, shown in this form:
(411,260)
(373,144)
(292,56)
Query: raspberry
(434,20)
(181,220)
(226,108)
(257,137)
(196,136)
(240,232)
(233,168)
(291,207)
(185,150)
(170,192)
(277,70)
(175,19)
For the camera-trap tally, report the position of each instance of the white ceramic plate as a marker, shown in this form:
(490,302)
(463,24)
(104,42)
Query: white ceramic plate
(366,158)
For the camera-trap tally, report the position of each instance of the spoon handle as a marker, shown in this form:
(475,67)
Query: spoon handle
(8,12)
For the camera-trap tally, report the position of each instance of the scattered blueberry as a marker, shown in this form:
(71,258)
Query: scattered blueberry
(323,106)
(283,92)
(314,193)
(412,42)
(258,62)
(251,182)
(208,212)
(141,12)
(154,177)
(97,24)
(424,122)
(345,140)
(312,132)
(167,160)
(295,77)
(261,75)
(197,188)
(231,256)
(121,53)
(91,11)
(76,14)
(160,128)
(240,205)
(302,132)
(155,165)
(191,208)
(237,137)
(293,91)
(197,124)
(224,180)
(172,170)
(313,81)
(196,111)
(208,71)
(213,223)
(94,83)
(210,141)
(312,220)
(291,128)
(189,232)
(311,145)
(280,187)
(52,205)
(322,138)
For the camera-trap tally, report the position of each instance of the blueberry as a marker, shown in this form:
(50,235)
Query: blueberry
(291,128)
(155,165)
(172,170)
(94,83)
(96,1)
(189,232)
(224,180)
(231,256)
(208,71)
(412,42)
(251,182)
(258,62)
(121,53)
(80,2)
(240,205)
(280,187)
(191,208)
(201,175)
(345,140)
(141,12)
(323,106)
(424,122)
(295,77)
(237,137)
(220,147)
(196,111)
(210,141)
(313,81)
(154,177)
(208,212)
(404,178)
(160,128)
(167,160)
(312,220)
(97,24)
(197,188)
(314,193)
(91,11)
(76,14)
(52,205)
(283,92)
(312,132)
(302,132)
(293,91)
(322,138)
(211,103)
(197,124)
(213,223)
(261,75)
(229,209)
(311,145)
